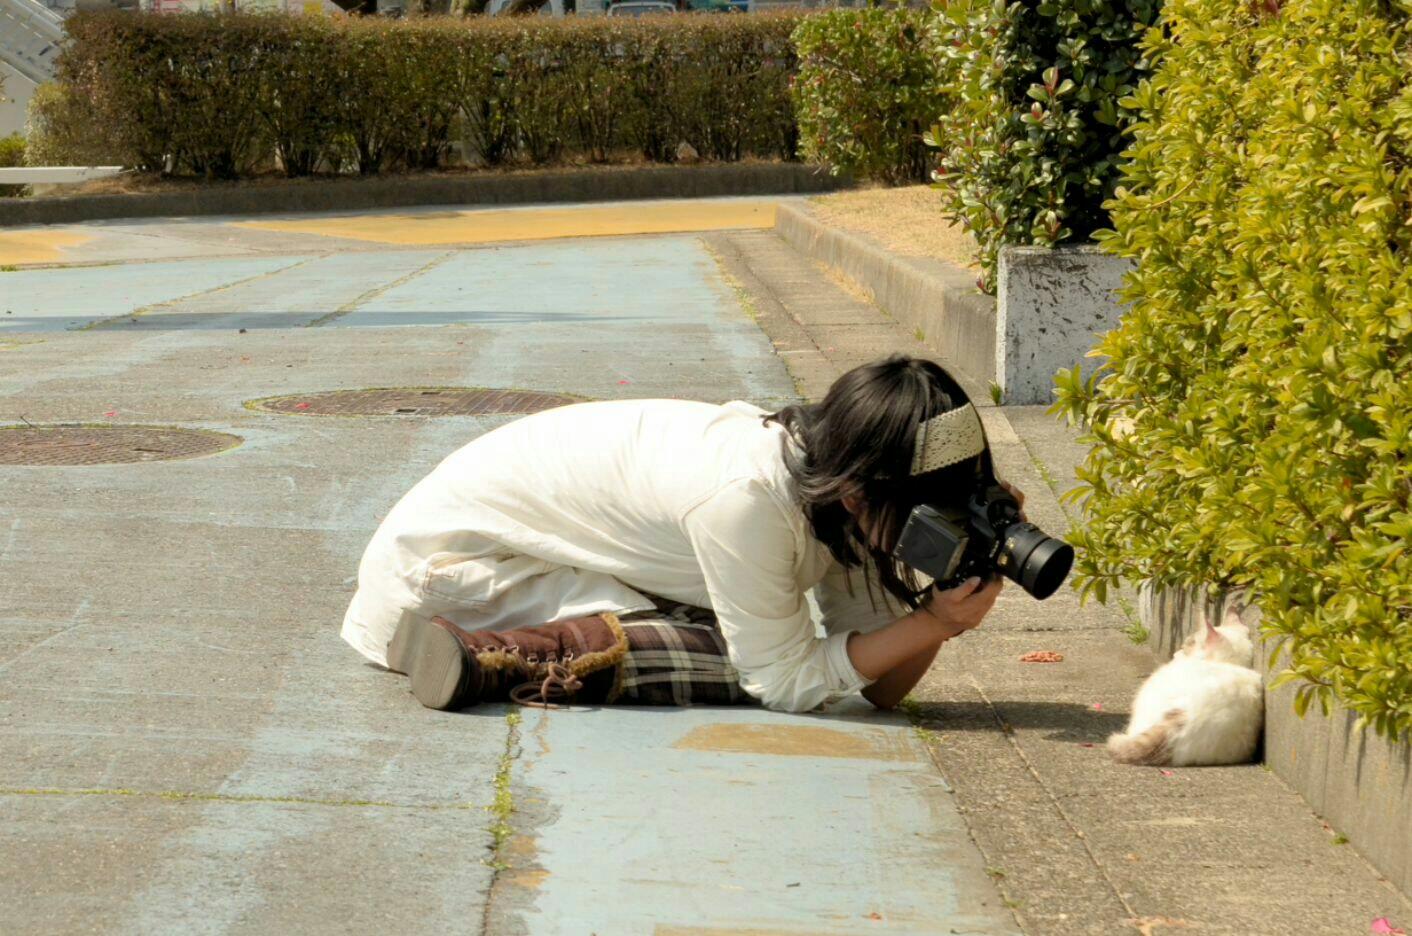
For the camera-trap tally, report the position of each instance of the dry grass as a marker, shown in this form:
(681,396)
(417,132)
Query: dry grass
(906,220)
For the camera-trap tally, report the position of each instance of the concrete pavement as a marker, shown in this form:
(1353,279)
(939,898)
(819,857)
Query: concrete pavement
(1076,844)
(187,746)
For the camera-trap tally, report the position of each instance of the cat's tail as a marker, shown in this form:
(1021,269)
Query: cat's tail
(1152,746)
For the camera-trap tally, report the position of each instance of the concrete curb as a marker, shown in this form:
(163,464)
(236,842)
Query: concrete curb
(546,186)
(934,297)
(1359,782)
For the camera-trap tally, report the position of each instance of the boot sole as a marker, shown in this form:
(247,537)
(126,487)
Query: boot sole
(435,661)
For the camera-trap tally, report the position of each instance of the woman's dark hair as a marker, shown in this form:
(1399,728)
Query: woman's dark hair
(859,442)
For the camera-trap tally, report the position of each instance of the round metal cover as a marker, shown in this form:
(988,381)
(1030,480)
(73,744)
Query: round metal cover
(107,445)
(415,401)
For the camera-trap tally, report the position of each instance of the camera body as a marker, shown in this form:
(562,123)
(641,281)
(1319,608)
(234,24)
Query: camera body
(984,537)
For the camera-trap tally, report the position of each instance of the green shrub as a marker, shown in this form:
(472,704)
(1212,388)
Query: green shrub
(1029,152)
(61,131)
(303,58)
(738,103)
(869,86)
(12,154)
(229,96)
(1253,423)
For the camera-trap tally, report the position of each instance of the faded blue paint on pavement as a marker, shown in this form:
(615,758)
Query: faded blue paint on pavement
(174,692)
(59,299)
(740,820)
(607,281)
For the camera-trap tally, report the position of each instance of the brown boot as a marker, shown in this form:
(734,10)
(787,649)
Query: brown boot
(573,660)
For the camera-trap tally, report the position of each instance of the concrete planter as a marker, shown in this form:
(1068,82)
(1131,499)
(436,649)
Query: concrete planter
(1052,305)
(1050,308)
(1359,782)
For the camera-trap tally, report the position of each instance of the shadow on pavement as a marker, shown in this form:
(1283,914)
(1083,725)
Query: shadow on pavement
(1068,721)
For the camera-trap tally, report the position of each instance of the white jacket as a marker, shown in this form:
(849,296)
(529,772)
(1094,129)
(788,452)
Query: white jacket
(571,511)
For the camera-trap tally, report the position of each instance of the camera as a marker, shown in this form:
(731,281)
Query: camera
(982,538)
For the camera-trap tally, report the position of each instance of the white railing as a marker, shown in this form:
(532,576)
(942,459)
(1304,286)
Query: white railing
(30,34)
(57,175)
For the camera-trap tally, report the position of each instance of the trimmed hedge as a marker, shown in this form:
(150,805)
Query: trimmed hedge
(1253,423)
(868,89)
(228,96)
(1030,151)
(59,131)
(12,154)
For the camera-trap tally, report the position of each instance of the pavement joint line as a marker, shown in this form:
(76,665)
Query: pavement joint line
(135,231)
(742,295)
(136,313)
(245,254)
(228,798)
(1078,833)
(502,808)
(95,264)
(758,287)
(376,291)
(930,739)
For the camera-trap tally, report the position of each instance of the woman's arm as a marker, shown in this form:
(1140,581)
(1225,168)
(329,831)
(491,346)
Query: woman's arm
(967,604)
(746,543)
(889,691)
(896,656)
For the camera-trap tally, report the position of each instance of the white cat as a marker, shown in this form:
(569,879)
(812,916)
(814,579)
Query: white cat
(1204,706)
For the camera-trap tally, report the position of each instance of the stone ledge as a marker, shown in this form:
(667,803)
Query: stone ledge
(488,188)
(1359,782)
(936,298)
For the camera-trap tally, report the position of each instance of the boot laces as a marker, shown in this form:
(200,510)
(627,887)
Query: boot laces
(558,683)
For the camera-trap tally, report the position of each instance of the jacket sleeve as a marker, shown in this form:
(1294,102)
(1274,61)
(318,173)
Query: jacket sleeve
(746,547)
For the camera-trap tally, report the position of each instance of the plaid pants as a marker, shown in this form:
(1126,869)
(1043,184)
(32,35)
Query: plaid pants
(677,656)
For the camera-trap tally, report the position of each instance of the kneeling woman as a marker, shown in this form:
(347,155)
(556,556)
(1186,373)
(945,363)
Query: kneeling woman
(573,554)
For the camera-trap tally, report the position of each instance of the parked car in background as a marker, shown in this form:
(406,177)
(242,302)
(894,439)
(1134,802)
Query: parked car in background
(503,7)
(641,8)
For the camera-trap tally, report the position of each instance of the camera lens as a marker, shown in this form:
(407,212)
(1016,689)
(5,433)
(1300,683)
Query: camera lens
(1036,561)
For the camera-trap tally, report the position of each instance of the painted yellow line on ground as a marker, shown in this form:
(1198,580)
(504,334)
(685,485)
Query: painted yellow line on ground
(20,247)
(527,224)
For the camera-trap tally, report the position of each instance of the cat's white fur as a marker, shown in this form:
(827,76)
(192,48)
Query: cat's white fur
(1204,706)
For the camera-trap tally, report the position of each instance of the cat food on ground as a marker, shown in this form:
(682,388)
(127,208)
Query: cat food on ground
(1042,656)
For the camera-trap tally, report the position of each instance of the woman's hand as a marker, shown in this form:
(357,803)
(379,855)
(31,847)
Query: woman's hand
(895,656)
(957,610)
(1018,494)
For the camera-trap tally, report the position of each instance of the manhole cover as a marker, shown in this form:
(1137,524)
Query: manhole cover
(415,401)
(106,445)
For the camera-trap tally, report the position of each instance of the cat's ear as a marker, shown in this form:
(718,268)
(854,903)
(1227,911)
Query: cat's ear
(1232,617)
(1213,636)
